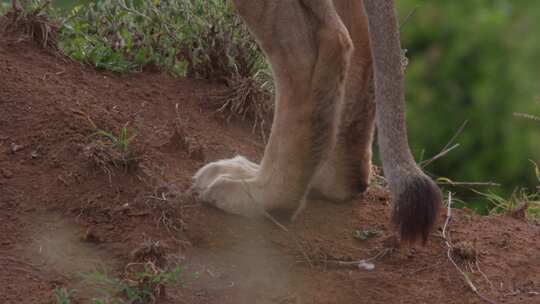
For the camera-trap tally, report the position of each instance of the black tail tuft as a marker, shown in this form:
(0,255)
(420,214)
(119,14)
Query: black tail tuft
(417,202)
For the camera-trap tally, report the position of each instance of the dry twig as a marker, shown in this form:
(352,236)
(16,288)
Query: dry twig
(363,263)
(408,17)
(527,116)
(452,183)
(447,148)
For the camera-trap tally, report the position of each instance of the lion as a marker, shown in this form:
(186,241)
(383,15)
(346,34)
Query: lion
(337,70)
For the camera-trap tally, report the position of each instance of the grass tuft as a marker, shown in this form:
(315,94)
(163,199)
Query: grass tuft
(110,150)
(63,295)
(245,98)
(142,283)
(521,204)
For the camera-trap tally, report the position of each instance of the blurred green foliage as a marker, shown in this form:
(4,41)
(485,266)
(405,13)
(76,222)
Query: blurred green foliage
(478,61)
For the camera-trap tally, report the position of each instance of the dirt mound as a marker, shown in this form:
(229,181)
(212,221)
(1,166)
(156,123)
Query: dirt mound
(78,192)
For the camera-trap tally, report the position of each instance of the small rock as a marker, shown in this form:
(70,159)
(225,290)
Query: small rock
(366,266)
(34,154)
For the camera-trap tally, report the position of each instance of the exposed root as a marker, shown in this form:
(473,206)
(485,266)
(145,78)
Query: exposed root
(34,24)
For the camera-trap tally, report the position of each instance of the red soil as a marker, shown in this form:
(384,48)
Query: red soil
(61,215)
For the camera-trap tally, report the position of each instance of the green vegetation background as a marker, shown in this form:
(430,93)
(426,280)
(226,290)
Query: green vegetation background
(479,61)
(475,61)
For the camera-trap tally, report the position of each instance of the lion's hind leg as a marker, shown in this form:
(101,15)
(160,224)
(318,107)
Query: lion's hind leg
(346,170)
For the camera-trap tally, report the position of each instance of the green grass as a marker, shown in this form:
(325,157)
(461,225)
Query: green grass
(144,285)
(204,39)
(521,201)
(121,142)
(196,38)
(63,295)
(107,149)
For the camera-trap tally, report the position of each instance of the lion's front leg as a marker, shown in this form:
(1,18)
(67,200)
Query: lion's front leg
(309,69)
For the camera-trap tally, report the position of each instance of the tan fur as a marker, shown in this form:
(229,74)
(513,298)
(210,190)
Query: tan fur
(320,143)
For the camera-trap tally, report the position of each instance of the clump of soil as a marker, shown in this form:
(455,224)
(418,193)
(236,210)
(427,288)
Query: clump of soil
(224,259)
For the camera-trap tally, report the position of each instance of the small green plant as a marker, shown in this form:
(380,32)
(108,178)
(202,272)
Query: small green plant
(148,283)
(108,150)
(121,141)
(143,283)
(63,295)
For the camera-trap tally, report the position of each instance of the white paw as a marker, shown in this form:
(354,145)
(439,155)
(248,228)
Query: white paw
(233,196)
(227,184)
(236,168)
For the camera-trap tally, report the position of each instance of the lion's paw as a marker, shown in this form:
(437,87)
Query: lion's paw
(227,185)
(235,168)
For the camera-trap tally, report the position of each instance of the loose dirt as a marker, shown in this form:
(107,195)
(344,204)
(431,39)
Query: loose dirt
(67,210)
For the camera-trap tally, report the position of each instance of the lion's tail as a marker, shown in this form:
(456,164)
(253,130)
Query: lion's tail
(417,199)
